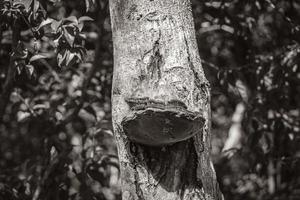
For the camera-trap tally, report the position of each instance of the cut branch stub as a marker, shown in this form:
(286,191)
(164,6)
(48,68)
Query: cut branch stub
(155,123)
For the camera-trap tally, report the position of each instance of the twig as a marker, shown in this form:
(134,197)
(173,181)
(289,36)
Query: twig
(211,65)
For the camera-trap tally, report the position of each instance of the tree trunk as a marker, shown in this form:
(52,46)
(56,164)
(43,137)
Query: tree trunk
(161,102)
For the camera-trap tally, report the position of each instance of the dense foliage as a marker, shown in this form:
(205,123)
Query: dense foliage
(55,78)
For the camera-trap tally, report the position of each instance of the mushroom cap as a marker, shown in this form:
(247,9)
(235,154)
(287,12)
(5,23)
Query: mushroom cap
(158,127)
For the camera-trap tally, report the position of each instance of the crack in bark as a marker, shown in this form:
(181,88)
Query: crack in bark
(134,156)
(155,61)
(191,65)
(138,189)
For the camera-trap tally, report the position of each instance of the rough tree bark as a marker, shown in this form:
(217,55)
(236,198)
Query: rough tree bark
(161,103)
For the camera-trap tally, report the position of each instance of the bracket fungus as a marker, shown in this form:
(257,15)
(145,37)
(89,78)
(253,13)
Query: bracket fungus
(155,123)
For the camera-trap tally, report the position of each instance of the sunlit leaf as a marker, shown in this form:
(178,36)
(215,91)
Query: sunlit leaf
(90,4)
(46,22)
(72,19)
(36,5)
(29,71)
(37,57)
(80,26)
(61,57)
(69,33)
(22,116)
(27,4)
(84,18)
(71,59)
(56,24)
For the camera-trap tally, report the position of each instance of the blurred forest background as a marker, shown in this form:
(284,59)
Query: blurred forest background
(56,66)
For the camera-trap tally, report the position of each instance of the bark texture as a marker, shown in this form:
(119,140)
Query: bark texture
(161,103)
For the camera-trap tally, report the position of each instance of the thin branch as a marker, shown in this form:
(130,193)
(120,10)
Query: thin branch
(211,65)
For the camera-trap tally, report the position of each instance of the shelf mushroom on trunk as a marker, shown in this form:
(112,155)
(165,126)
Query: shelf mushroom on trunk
(157,123)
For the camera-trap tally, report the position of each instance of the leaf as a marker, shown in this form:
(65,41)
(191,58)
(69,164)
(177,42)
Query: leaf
(80,26)
(22,116)
(54,1)
(46,22)
(91,111)
(40,106)
(43,8)
(37,57)
(81,21)
(36,5)
(20,52)
(27,4)
(90,4)
(85,18)
(19,69)
(29,71)
(82,36)
(69,34)
(82,51)
(79,56)
(57,41)
(72,19)
(55,25)
(61,57)
(242,89)
(70,59)
(53,153)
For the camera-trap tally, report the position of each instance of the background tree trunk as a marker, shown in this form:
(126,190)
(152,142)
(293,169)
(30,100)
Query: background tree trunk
(156,59)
